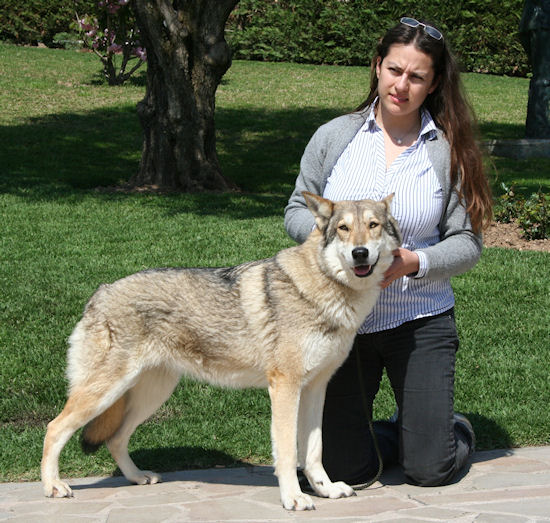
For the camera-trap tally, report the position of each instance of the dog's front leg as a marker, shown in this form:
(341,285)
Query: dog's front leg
(310,443)
(285,396)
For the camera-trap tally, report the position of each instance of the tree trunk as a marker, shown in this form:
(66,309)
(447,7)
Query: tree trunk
(187,56)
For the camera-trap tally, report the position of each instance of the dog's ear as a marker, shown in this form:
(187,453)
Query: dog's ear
(320,207)
(387,201)
(392,227)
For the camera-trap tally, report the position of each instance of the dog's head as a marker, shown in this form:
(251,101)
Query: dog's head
(358,236)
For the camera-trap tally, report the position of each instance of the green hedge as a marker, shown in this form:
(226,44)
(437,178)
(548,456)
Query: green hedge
(483,33)
(34,21)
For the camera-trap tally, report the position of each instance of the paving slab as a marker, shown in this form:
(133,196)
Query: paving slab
(500,486)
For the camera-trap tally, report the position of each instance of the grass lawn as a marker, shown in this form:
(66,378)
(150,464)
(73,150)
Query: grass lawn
(64,133)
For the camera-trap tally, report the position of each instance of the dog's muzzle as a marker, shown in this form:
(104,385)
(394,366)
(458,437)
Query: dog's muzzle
(361,268)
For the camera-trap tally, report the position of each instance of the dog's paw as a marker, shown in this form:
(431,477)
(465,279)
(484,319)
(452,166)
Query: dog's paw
(328,489)
(299,501)
(145,477)
(340,490)
(57,489)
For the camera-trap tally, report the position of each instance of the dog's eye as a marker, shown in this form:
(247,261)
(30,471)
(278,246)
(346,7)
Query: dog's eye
(372,225)
(343,227)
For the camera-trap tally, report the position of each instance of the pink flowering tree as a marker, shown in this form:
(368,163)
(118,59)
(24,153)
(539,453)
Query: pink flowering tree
(112,34)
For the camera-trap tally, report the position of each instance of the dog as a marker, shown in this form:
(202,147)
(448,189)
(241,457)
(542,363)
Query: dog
(287,322)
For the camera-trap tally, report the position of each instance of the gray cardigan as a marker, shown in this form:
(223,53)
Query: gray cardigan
(459,248)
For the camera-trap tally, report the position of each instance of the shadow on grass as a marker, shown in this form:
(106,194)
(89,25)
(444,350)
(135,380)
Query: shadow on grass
(181,458)
(55,155)
(65,156)
(489,434)
(138,79)
(501,131)
(527,176)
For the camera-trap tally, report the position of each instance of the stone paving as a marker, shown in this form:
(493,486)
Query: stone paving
(505,486)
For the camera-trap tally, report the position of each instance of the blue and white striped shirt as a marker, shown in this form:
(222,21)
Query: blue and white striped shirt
(361,173)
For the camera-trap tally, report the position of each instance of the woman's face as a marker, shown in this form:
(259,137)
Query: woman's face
(405,78)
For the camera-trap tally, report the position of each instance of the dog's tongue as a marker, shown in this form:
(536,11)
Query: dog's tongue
(362,270)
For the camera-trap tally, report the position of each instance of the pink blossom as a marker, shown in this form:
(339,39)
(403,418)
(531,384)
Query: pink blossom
(113,8)
(85,26)
(115,28)
(114,48)
(141,53)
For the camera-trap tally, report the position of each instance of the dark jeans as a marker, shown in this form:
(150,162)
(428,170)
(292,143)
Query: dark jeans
(419,358)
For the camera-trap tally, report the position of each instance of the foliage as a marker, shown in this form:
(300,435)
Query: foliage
(111,33)
(107,27)
(67,40)
(532,214)
(482,33)
(34,21)
(535,217)
(507,208)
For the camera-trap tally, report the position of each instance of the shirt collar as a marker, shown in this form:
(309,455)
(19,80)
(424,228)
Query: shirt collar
(428,128)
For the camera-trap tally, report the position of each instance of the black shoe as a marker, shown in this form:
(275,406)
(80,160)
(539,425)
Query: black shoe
(464,425)
(304,483)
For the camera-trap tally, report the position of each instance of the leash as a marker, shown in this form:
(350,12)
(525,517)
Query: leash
(361,379)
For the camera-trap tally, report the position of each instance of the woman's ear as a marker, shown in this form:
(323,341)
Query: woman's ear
(378,63)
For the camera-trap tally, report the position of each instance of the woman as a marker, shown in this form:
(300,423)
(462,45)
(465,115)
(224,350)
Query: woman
(413,136)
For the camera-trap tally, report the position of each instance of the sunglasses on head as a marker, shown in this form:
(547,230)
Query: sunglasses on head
(428,29)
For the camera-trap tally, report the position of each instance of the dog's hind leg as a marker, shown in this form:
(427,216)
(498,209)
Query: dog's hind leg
(152,389)
(83,405)
(310,445)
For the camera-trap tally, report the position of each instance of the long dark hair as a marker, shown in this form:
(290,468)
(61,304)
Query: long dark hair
(451,113)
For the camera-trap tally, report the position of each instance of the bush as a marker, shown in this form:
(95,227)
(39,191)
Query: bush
(67,40)
(531,214)
(484,34)
(34,21)
(535,217)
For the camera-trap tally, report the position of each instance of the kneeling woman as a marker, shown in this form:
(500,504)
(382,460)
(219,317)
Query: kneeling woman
(414,137)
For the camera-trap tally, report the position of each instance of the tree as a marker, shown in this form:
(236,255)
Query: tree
(187,56)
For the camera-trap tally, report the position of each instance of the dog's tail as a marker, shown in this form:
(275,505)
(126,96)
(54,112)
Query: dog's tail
(100,429)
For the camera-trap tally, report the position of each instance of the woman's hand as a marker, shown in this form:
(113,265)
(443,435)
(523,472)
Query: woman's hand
(405,262)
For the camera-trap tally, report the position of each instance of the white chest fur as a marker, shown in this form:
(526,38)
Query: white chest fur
(329,345)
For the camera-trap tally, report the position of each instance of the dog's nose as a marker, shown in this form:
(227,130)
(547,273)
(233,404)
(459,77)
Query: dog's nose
(360,254)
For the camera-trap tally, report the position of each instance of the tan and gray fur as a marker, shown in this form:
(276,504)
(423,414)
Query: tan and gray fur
(285,323)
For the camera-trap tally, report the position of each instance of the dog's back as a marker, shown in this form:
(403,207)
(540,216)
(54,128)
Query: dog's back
(221,325)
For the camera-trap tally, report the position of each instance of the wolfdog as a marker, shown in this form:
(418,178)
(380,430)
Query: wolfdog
(287,322)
